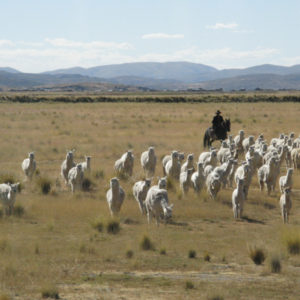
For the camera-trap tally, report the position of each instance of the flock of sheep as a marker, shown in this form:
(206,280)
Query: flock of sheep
(216,169)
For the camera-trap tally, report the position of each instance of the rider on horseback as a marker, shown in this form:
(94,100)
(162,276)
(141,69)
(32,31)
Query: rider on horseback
(217,123)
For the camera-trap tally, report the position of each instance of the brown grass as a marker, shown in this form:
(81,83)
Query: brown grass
(69,248)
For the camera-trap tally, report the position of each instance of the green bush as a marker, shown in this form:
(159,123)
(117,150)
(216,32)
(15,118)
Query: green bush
(275,264)
(129,253)
(18,211)
(257,255)
(50,292)
(192,254)
(146,243)
(189,285)
(44,184)
(113,227)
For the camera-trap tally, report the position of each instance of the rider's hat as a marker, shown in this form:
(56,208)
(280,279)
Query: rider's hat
(218,112)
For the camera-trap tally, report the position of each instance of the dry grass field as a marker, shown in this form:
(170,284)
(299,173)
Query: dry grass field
(54,245)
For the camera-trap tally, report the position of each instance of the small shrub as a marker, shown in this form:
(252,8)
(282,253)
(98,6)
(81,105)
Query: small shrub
(215,297)
(37,249)
(189,285)
(129,253)
(146,243)
(8,178)
(50,292)
(3,245)
(257,255)
(206,257)
(293,244)
(86,184)
(275,264)
(18,211)
(98,174)
(163,251)
(44,185)
(98,225)
(113,226)
(170,183)
(192,254)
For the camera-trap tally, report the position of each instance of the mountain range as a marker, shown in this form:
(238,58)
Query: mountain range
(159,76)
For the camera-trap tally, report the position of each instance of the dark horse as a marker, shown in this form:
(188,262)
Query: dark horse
(210,134)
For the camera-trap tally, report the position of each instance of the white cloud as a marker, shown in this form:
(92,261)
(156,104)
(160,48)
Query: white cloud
(223,26)
(60,42)
(6,43)
(162,36)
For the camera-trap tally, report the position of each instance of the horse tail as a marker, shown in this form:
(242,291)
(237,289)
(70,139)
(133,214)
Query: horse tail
(205,140)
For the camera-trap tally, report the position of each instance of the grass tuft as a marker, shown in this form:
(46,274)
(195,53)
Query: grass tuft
(146,243)
(99,174)
(257,255)
(129,254)
(87,184)
(163,251)
(275,264)
(98,225)
(216,297)
(206,257)
(50,292)
(44,185)
(189,285)
(292,240)
(113,226)
(4,297)
(192,254)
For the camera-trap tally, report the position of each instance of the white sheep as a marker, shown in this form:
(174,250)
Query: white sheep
(256,157)
(8,196)
(189,164)
(209,158)
(124,165)
(67,165)
(266,174)
(198,178)
(75,178)
(238,198)
(185,180)
(296,157)
(247,142)
(157,205)
(286,181)
(86,165)
(115,197)
(213,184)
(232,173)
(207,170)
(140,190)
(285,204)
(29,165)
(148,161)
(172,167)
(224,170)
(238,140)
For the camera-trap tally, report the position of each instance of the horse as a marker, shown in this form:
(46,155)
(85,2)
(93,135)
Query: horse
(210,134)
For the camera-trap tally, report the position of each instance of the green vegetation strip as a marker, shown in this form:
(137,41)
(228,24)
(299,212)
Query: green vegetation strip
(194,98)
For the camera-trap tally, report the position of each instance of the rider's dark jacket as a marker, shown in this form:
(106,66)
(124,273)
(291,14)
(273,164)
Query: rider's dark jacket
(217,121)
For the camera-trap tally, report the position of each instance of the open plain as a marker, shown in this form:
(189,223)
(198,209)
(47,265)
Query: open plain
(54,244)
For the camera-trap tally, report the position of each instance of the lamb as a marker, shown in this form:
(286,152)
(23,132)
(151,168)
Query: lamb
(75,178)
(266,174)
(67,165)
(86,165)
(238,140)
(285,204)
(157,205)
(286,181)
(185,180)
(224,171)
(296,157)
(124,165)
(115,197)
(29,165)
(238,198)
(8,196)
(247,142)
(172,167)
(140,190)
(232,172)
(198,178)
(148,161)
(189,164)
(209,158)
(213,184)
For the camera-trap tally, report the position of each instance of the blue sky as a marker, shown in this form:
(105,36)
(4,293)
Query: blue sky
(40,35)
